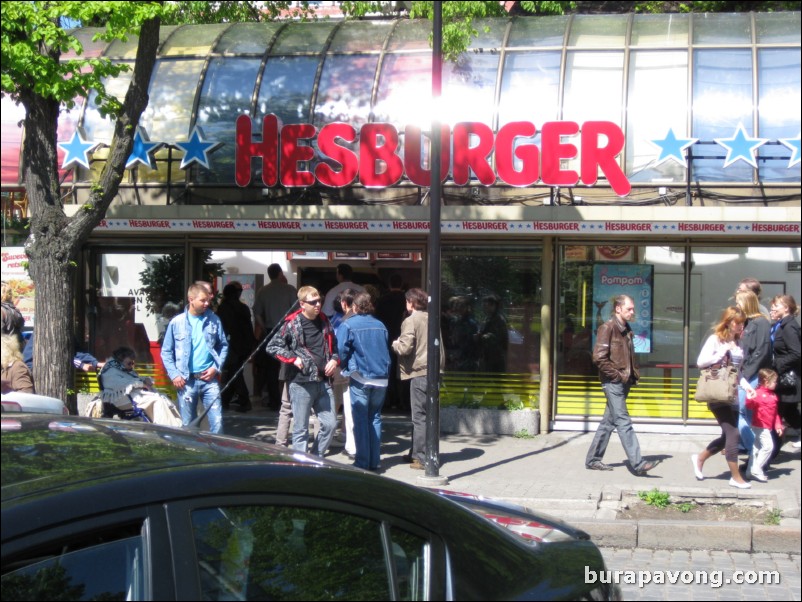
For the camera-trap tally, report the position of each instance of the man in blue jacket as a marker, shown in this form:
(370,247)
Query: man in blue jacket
(193,353)
(363,348)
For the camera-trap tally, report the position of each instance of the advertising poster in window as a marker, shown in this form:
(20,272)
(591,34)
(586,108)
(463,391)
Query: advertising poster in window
(16,277)
(637,281)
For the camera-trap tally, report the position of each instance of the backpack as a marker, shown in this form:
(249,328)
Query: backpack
(13,322)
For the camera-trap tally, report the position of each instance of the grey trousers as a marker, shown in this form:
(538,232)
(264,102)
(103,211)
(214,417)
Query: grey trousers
(616,418)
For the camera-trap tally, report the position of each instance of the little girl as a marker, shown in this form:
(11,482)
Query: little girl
(763,403)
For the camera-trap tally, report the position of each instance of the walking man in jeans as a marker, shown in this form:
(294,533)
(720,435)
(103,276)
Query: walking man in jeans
(614,355)
(307,346)
(193,353)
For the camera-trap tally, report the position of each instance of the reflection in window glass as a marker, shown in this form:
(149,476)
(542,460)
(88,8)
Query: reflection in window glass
(491,327)
(586,74)
(543,31)
(601,31)
(344,90)
(247,38)
(722,99)
(654,279)
(365,36)
(722,28)
(109,571)
(714,275)
(288,553)
(303,37)
(172,96)
(530,88)
(658,85)
(778,28)
(659,30)
(405,91)
(286,88)
(226,94)
(193,40)
(779,105)
(410,554)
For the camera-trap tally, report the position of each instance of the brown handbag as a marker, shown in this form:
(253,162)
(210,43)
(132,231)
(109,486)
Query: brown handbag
(718,383)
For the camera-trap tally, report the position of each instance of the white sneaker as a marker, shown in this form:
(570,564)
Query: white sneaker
(796,444)
(759,477)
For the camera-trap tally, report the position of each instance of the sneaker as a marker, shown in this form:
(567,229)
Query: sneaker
(598,465)
(696,470)
(417,465)
(758,477)
(796,444)
(744,485)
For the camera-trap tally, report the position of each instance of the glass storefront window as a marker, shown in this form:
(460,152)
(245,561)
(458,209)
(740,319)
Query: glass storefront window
(287,88)
(303,37)
(660,30)
(655,277)
(722,99)
(490,322)
(227,93)
(778,28)
(598,31)
(525,72)
(722,28)
(537,32)
(779,86)
(344,91)
(193,41)
(658,85)
(247,38)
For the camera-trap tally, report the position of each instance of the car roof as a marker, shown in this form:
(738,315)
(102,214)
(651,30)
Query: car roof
(42,452)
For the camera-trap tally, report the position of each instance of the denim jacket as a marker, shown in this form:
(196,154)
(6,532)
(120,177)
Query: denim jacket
(362,345)
(177,346)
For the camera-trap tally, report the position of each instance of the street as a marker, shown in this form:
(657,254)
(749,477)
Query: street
(682,573)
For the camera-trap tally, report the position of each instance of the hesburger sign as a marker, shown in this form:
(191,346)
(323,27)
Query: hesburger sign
(371,154)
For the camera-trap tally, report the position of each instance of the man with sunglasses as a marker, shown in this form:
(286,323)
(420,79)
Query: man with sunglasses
(306,344)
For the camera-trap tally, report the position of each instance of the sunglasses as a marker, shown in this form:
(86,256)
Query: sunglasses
(313,302)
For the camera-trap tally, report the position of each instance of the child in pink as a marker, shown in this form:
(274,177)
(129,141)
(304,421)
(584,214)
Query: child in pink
(763,403)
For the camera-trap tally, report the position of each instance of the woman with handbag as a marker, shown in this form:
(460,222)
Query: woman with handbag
(785,337)
(720,350)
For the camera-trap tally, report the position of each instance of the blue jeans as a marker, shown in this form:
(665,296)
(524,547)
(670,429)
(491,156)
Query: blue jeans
(207,393)
(305,397)
(366,409)
(745,419)
(616,418)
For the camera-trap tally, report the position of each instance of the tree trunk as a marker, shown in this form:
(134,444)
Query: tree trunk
(55,240)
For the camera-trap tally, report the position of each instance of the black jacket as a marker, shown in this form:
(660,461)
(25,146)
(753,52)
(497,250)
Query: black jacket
(787,355)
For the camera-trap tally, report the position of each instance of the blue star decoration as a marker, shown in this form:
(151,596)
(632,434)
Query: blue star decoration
(741,147)
(673,148)
(196,149)
(77,149)
(793,144)
(142,149)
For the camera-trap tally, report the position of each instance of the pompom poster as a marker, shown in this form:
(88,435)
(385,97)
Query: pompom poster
(637,281)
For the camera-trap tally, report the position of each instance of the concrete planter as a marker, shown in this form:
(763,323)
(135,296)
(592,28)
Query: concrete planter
(489,422)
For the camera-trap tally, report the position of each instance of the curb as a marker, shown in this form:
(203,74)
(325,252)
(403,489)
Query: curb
(694,535)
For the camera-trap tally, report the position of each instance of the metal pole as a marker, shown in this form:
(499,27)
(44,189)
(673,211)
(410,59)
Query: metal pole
(433,340)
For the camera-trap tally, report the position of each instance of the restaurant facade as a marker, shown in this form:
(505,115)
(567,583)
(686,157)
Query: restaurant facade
(584,156)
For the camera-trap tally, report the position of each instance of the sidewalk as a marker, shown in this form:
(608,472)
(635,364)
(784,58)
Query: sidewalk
(547,473)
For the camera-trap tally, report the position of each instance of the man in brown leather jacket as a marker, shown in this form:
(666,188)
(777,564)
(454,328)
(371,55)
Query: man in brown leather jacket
(614,355)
